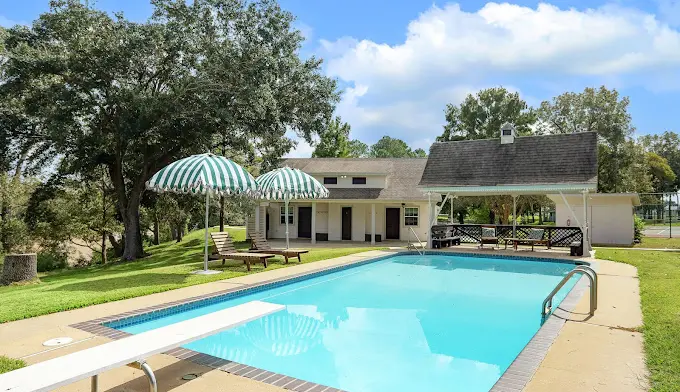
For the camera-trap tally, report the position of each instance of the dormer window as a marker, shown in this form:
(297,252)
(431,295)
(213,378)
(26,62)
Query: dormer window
(507,133)
(359,180)
(330,180)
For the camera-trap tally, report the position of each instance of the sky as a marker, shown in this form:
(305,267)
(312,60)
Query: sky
(398,63)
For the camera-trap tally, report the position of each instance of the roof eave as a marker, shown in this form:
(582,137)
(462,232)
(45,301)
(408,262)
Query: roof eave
(509,189)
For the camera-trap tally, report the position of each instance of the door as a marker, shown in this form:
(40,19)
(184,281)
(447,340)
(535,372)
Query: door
(305,222)
(392,217)
(347,223)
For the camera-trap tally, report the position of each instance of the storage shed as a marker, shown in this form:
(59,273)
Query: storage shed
(610,215)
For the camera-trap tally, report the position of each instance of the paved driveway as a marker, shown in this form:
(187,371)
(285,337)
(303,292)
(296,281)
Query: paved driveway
(662,231)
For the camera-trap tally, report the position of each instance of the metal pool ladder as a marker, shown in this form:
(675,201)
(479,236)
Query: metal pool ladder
(583,270)
(412,245)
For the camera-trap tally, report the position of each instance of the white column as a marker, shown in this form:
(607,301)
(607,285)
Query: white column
(514,216)
(373,224)
(429,220)
(313,222)
(257,218)
(451,217)
(586,240)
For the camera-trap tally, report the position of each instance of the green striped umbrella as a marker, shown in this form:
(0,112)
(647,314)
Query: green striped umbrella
(204,173)
(286,184)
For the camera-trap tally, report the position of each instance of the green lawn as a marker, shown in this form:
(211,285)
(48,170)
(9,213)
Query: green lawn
(168,267)
(9,364)
(659,243)
(659,274)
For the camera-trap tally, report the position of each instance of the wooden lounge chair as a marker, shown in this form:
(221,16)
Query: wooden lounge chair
(260,244)
(488,237)
(534,238)
(132,351)
(226,250)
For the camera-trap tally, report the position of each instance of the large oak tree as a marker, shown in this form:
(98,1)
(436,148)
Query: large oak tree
(136,96)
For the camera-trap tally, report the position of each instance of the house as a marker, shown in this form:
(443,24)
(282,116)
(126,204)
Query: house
(371,200)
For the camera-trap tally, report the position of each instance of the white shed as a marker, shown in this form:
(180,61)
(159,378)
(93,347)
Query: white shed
(610,215)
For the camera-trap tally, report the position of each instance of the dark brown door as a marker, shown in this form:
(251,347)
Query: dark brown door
(305,222)
(346,223)
(392,216)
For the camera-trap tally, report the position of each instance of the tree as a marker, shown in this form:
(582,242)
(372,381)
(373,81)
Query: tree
(605,112)
(134,97)
(667,146)
(358,149)
(334,141)
(388,147)
(663,176)
(481,116)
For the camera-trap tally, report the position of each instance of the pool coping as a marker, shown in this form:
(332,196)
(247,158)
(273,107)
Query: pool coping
(514,379)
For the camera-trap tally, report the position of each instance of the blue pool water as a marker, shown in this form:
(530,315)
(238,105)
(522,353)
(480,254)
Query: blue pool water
(428,323)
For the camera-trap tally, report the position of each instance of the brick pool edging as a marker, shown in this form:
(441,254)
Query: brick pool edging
(512,380)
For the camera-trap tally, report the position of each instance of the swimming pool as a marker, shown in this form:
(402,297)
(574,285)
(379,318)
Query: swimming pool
(403,323)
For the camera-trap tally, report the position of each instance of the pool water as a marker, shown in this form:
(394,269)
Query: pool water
(408,322)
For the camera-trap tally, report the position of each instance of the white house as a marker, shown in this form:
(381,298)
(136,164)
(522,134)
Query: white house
(610,215)
(371,200)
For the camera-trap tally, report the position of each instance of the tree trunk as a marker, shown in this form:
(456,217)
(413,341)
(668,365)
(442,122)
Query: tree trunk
(19,268)
(133,249)
(156,229)
(104,257)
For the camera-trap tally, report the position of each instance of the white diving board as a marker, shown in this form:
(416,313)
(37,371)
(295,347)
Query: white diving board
(57,372)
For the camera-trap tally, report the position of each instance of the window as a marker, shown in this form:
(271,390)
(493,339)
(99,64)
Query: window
(411,216)
(330,180)
(507,132)
(359,180)
(283,215)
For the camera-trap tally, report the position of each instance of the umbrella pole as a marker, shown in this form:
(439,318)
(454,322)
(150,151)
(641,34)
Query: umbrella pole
(287,242)
(207,211)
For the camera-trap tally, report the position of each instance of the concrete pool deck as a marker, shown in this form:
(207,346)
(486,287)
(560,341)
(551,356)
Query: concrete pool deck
(603,353)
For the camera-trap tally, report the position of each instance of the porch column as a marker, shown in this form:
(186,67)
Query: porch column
(313,222)
(373,224)
(586,240)
(257,218)
(429,220)
(514,216)
(451,217)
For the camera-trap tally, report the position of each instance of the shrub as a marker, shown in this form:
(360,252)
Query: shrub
(50,260)
(639,226)
(9,364)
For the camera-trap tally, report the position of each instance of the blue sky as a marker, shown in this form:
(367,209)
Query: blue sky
(400,62)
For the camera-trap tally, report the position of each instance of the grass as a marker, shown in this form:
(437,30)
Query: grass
(659,243)
(168,267)
(659,274)
(9,364)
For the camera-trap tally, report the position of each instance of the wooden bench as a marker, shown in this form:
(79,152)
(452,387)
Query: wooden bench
(133,350)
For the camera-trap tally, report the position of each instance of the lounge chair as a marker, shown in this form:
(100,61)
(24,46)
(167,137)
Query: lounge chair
(488,237)
(226,250)
(260,244)
(132,350)
(535,238)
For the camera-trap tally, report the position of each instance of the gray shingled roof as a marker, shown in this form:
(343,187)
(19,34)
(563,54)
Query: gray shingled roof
(550,159)
(402,176)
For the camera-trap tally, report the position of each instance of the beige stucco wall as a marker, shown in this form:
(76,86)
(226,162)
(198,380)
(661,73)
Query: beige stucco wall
(346,182)
(610,217)
(329,219)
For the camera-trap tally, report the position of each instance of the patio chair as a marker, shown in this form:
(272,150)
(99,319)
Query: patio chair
(488,237)
(259,244)
(226,250)
(535,238)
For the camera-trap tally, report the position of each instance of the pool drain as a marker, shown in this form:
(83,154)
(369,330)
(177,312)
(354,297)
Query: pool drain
(190,376)
(57,341)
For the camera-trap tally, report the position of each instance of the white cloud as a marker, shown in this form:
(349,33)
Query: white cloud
(301,150)
(5,22)
(401,90)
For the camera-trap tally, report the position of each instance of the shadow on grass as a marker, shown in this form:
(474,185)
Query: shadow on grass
(124,282)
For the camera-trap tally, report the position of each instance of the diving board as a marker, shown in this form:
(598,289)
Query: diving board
(57,372)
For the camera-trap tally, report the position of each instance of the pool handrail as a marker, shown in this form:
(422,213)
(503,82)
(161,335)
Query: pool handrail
(583,270)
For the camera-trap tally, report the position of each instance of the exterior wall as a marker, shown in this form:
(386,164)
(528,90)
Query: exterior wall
(610,218)
(329,219)
(372,181)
